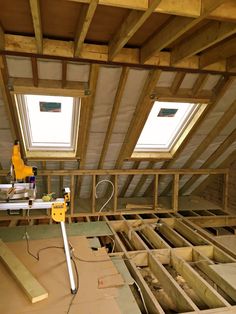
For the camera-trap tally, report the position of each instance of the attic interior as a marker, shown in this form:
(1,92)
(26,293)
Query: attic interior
(127,109)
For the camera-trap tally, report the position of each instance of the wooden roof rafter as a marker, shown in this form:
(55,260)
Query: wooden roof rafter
(130,25)
(2,38)
(175,29)
(36,17)
(84,22)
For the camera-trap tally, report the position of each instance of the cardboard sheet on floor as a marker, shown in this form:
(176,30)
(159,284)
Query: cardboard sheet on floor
(51,271)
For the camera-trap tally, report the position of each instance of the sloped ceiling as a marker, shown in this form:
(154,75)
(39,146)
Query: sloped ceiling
(37,47)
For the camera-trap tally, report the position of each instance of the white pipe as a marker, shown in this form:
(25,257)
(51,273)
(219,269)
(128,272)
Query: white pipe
(68,258)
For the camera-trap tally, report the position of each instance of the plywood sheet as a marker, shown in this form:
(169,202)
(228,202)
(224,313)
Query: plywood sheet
(227,272)
(51,271)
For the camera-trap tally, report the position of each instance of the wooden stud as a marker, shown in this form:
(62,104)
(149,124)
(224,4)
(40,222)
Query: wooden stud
(93,194)
(34,291)
(115,109)
(2,38)
(207,36)
(36,16)
(129,27)
(84,22)
(35,71)
(72,193)
(225,197)
(115,196)
(64,74)
(49,188)
(155,192)
(175,195)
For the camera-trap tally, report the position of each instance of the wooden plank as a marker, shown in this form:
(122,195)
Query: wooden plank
(64,74)
(93,194)
(129,27)
(203,289)
(207,36)
(36,17)
(176,239)
(34,291)
(178,296)
(115,196)
(72,199)
(114,112)
(154,238)
(189,234)
(84,22)
(48,87)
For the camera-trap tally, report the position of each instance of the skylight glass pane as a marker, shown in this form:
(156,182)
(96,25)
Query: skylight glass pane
(164,125)
(50,120)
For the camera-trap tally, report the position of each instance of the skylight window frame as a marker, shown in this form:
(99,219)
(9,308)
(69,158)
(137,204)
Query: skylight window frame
(165,154)
(45,151)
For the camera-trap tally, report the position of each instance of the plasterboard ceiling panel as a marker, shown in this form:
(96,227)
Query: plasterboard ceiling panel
(49,69)
(189,80)
(166,79)
(78,72)
(134,85)
(211,82)
(19,67)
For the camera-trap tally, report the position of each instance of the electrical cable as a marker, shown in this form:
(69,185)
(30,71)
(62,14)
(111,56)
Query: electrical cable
(110,197)
(141,294)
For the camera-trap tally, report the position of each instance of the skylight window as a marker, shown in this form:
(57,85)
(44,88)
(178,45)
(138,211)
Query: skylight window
(166,124)
(48,122)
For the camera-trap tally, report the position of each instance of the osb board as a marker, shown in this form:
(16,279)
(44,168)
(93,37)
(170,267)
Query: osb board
(227,272)
(229,241)
(51,272)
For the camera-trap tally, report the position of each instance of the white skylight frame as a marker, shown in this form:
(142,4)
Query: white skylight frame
(167,149)
(32,147)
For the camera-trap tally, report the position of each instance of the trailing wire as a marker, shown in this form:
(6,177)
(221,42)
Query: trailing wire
(110,197)
(141,294)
